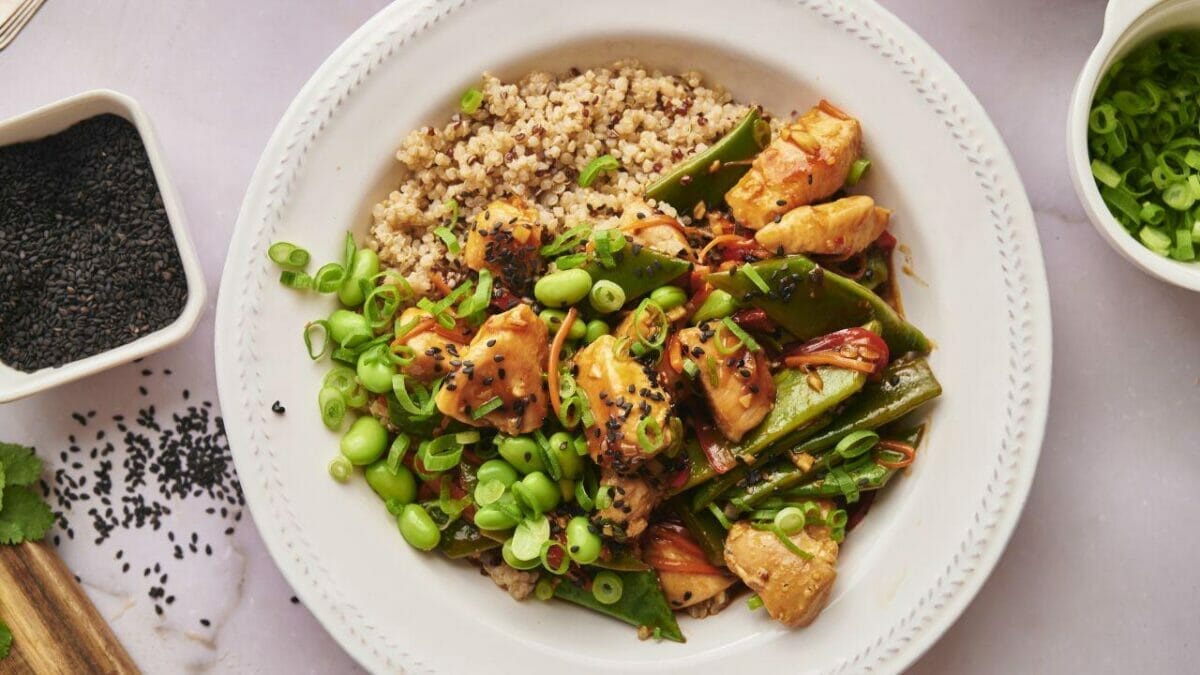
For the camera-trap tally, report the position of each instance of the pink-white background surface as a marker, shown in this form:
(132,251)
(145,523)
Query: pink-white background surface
(1100,575)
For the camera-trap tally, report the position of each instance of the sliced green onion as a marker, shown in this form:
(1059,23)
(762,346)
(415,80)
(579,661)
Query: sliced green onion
(326,342)
(396,453)
(790,520)
(1152,213)
(595,167)
(491,405)
(1154,240)
(606,296)
(607,587)
(754,277)
(448,239)
(1105,173)
(470,101)
(529,536)
(329,278)
(420,404)
(838,518)
(783,539)
(333,407)
(349,248)
(650,435)
(440,454)
(1178,196)
(567,240)
(845,483)
(473,307)
(857,169)
(742,336)
(659,325)
(564,561)
(452,205)
(1103,119)
(856,443)
(690,368)
(340,469)
(489,492)
(1184,250)
(294,279)
(288,256)
(754,602)
(569,262)
(720,516)
(467,437)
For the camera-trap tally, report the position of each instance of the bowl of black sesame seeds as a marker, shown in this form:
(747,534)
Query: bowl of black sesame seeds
(96,266)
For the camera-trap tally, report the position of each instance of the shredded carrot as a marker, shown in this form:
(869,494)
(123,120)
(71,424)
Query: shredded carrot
(717,241)
(649,221)
(560,338)
(674,354)
(900,448)
(829,359)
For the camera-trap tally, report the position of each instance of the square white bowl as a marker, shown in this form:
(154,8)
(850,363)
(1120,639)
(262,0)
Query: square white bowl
(56,117)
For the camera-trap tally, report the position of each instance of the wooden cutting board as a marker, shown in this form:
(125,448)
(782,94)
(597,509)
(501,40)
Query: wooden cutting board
(56,628)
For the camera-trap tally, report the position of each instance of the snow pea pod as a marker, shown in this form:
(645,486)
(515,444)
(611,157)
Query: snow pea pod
(904,386)
(708,175)
(638,270)
(704,528)
(866,473)
(642,603)
(810,301)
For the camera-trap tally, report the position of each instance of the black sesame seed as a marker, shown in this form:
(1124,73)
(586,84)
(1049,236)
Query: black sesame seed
(278,408)
(87,256)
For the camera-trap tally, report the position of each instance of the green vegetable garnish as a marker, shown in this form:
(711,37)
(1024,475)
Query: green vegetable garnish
(595,167)
(1144,146)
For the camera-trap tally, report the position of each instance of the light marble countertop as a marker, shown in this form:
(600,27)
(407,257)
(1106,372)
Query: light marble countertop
(1100,575)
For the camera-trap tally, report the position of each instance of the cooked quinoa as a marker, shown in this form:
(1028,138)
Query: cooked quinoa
(532,138)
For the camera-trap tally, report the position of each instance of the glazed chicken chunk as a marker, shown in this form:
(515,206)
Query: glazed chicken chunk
(738,384)
(634,497)
(808,162)
(621,393)
(432,349)
(505,360)
(505,241)
(836,228)
(794,589)
(643,225)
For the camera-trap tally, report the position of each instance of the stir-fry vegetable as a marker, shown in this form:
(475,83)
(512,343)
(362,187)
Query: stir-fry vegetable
(644,418)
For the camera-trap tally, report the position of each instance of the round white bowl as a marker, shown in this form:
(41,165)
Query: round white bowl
(930,541)
(1127,23)
(56,117)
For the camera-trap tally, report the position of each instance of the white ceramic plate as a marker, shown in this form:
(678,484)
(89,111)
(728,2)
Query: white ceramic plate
(928,544)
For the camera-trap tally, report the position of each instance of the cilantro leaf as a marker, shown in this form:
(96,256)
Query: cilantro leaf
(23,516)
(20,464)
(5,640)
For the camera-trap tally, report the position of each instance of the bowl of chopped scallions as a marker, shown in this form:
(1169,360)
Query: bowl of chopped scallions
(1134,136)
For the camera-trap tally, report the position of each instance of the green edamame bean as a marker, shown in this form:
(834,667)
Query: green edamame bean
(607,296)
(563,288)
(497,469)
(522,453)
(595,328)
(364,266)
(375,370)
(417,528)
(364,441)
(578,330)
(539,492)
(583,545)
(492,518)
(562,445)
(669,297)
(513,561)
(553,319)
(401,486)
(717,305)
(349,328)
